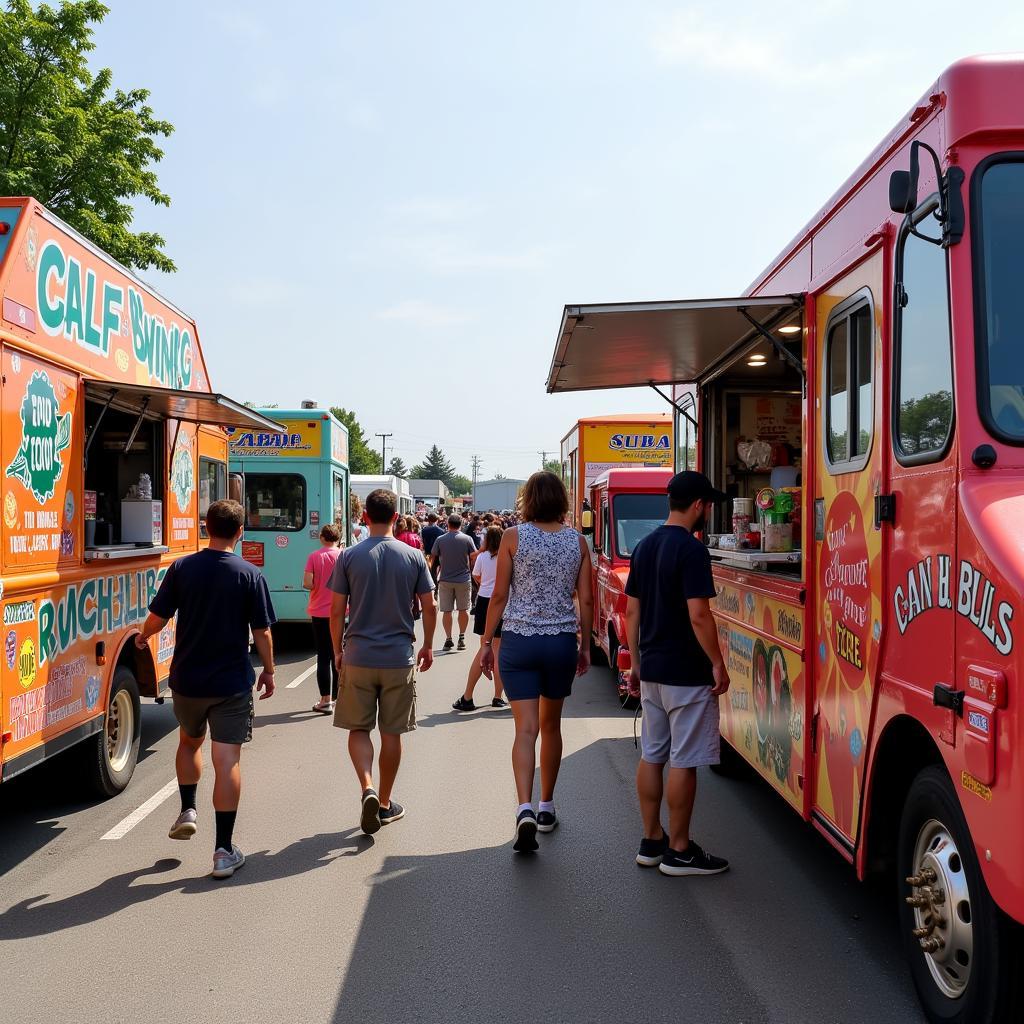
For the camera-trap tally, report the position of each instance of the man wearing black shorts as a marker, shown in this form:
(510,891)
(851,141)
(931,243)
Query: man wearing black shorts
(218,599)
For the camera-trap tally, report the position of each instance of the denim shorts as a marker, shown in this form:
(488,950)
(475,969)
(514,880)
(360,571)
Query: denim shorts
(537,666)
(680,725)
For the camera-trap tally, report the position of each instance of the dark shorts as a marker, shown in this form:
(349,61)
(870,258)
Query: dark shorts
(229,718)
(538,666)
(480,617)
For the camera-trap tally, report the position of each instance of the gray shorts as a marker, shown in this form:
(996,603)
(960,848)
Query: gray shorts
(229,718)
(451,595)
(679,726)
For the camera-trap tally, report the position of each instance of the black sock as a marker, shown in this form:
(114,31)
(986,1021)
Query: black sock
(188,796)
(225,827)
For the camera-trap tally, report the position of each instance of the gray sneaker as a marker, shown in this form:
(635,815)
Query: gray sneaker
(226,864)
(185,825)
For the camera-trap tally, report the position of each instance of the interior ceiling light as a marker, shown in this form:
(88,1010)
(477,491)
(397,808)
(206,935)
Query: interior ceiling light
(790,329)
(757,362)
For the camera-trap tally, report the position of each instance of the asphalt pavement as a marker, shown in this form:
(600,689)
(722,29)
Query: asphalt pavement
(104,919)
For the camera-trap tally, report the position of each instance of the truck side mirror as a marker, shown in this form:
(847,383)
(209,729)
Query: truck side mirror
(902,192)
(587,521)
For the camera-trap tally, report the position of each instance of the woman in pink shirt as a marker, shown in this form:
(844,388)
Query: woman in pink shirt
(319,567)
(406,534)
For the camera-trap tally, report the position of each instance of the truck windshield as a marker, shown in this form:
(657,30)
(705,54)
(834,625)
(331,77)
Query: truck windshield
(635,516)
(999,256)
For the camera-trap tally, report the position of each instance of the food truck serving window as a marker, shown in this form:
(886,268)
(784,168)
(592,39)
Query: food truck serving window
(275,501)
(637,515)
(923,407)
(848,361)
(998,203)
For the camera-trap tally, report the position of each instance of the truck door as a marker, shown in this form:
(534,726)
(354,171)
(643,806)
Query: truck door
(603,564)
(850,461)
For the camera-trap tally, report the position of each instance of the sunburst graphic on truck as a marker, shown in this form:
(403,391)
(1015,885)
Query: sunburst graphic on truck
(45,433)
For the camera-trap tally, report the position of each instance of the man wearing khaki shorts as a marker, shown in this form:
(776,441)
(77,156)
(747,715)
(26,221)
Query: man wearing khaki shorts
(375,584)
(454,555)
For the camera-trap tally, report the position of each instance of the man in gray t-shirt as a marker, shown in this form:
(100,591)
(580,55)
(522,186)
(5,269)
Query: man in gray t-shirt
(453,556)
(376,584)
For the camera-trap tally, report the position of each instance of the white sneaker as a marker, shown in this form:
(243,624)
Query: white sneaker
(185,825)
(226,864)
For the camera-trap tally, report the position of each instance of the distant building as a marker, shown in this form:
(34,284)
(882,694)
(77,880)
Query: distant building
(496,494)
(430,492)
(362,484)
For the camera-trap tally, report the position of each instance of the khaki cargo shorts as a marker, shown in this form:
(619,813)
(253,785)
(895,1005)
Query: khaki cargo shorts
(452,595)
(383,697)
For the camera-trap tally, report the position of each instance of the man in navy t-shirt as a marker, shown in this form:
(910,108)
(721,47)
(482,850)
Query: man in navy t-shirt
(678,663)
(218,599)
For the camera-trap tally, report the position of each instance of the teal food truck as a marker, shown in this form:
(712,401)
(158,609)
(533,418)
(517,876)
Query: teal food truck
(290,485)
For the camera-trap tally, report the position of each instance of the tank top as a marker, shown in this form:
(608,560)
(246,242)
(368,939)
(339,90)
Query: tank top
(544,571)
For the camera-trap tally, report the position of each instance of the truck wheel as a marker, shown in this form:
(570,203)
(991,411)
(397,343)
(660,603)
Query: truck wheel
(963,953)
(113,752)
(731,764)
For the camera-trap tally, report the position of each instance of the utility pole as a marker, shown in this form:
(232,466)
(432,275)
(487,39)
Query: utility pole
(383,456)
(477,463)
(543,459)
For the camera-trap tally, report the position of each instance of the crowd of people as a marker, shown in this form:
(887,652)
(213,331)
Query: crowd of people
(526,579)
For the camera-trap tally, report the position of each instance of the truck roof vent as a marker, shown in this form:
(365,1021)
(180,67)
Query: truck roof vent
(308,403)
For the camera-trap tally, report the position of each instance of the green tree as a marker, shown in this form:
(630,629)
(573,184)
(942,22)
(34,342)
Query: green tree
(924,422)
(362,458)
(83,152)
(553,466)
(396,467)
(434,467)
(460,485)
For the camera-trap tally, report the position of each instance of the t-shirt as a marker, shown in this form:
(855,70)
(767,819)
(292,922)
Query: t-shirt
(667,568)
(218,597)
(380,577)
(321,565)
(486,567)
(410,538)
(428,536)
(454,550)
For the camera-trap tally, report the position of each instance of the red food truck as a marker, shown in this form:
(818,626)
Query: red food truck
(627,504)
(876,673)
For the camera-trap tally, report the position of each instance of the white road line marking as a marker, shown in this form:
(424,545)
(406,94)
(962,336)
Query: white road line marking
(305,675)
(122,828)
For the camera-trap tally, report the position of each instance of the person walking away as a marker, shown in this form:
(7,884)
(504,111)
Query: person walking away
(677,663)
(374,585)
(317,575)
(542,565)
(218,599)
(485,570)
(406,534)
(454,554)
(430,534)
(359,528)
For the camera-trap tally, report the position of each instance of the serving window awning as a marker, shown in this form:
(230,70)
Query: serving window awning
(185,406)
(613,345)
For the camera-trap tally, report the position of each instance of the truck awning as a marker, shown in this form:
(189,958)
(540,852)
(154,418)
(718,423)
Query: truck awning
(617,345)
(184,406)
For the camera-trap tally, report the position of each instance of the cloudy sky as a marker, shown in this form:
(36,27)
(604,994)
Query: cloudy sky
(386,205)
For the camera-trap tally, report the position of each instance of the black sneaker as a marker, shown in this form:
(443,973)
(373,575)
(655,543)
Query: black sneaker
(498,704)
(464,705)
(369,818)
(526,832)
(694,861)
(391,813)
(652,851)
(462,642)
(448,644)
(546,821)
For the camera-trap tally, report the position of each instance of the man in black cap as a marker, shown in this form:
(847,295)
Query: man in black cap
(677,660)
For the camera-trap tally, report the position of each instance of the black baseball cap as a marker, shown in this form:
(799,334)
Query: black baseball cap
(688,487)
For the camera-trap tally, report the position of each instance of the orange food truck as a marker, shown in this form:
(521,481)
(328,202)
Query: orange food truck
(112,448)
(603,442)
(876,671)
(627,505)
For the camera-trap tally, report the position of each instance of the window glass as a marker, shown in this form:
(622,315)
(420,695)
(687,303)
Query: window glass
(924,403)
(838,408)
(340,511)
(1001,274)
(686,440)
(864,359)
(213,483)
(275,501)
(637,515)
(606,529)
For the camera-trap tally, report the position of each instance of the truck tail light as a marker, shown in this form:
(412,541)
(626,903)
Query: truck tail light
(622,660)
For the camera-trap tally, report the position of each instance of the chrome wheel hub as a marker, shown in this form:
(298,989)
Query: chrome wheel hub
(942,908)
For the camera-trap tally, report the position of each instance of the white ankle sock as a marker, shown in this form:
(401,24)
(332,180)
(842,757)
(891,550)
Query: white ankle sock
(524,807)
(547,805)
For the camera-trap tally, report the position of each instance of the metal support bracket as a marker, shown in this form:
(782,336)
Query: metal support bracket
(675,405)
(96,428)
(781,349)
(137,427)
(174,445)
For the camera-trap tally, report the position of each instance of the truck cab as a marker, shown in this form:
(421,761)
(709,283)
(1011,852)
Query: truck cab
(625,506)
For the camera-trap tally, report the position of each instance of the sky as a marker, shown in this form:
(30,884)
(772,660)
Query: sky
(385,206)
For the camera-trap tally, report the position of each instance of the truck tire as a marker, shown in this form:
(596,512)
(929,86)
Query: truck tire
(114,751)
(731,763)
(964,956)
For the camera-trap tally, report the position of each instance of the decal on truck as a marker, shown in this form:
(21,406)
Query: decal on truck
(44,435)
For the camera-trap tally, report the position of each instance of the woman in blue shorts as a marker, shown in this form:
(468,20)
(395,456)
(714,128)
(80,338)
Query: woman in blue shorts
(542,565)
